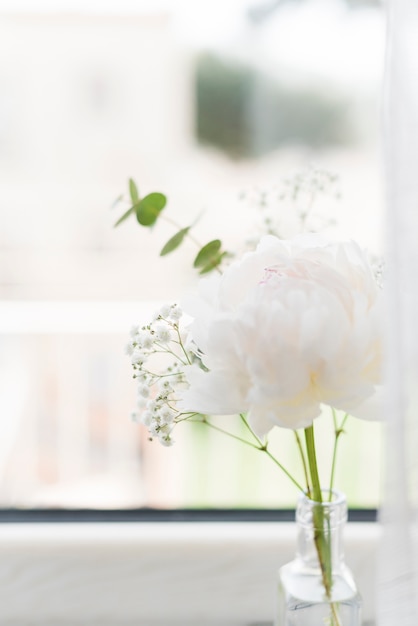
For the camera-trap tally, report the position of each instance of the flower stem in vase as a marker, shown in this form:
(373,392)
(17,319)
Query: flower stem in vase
(321,525)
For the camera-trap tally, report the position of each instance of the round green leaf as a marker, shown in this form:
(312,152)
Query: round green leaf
(215,261)
(149,208)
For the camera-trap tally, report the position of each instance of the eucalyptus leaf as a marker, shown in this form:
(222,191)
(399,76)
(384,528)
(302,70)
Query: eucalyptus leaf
(133,191)
(175,241)
(208,255)
(125,216)
(148,209)
(214,263)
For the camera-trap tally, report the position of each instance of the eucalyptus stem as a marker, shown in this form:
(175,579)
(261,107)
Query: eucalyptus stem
(188,236)
(169,220)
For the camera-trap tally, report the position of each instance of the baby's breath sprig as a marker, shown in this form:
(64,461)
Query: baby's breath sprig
(289,208)
(159,356)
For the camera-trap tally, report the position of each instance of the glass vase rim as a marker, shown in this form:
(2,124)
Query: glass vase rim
(338,498)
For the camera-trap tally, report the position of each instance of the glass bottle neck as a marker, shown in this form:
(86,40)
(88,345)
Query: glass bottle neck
(321,522)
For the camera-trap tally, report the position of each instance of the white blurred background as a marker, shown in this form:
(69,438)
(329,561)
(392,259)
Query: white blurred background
(213,104)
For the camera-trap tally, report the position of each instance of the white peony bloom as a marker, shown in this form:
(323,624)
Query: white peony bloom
(293,325)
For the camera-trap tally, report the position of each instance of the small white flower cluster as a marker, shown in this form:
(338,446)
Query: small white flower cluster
(292,207)
(150,347)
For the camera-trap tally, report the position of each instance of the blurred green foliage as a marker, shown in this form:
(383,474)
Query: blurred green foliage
(248,114)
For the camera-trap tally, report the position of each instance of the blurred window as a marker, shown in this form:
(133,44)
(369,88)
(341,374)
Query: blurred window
(214,105)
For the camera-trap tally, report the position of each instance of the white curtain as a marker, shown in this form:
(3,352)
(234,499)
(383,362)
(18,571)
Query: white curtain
(397,597)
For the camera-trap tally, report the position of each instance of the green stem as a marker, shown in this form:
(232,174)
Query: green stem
(225,432)
(322,538)
(313,467)
(179,227)
(250,430)
(338,431)
(262,447)
(180,343)
(305,469)
(288,474)
(166,350)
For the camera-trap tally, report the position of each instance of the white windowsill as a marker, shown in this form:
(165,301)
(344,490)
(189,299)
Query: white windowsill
(149,574)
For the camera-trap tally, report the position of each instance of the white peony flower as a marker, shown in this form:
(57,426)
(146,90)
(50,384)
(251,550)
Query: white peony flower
(292,326)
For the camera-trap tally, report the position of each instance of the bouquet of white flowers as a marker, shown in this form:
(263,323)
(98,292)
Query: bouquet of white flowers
(290,327)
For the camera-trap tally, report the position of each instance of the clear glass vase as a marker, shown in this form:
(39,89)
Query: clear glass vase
(317,588)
